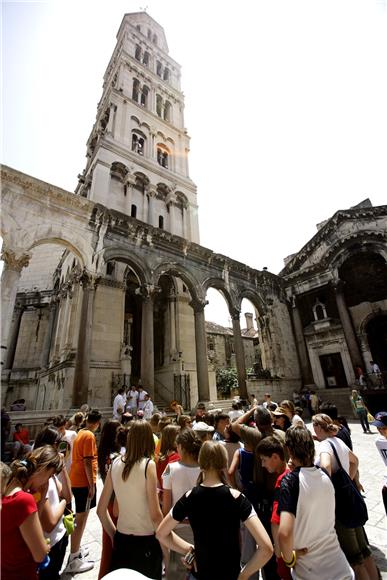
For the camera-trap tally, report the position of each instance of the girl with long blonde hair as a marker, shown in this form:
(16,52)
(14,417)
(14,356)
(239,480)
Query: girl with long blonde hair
(133,480)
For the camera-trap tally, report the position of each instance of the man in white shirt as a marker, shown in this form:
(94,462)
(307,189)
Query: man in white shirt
(132,398)
(148,407)
(119,404)
(141,398)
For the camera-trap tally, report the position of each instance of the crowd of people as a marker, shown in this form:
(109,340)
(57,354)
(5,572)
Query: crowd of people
(213,495)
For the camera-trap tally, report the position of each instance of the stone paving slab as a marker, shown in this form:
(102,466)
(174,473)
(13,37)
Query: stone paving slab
(371,476)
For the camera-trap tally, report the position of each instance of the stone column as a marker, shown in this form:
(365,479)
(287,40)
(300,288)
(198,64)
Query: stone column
(48,337)
(14,335)
(130,181)
(201,350)
(151,206)
(349,333)
(171,204)
(239,354)
(13,265)
(172,322)
(306,370)
(82,361)
(147,338)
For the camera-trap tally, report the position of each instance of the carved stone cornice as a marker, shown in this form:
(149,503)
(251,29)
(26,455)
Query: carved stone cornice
(111,283)
(198,305)
(147,291)
(14,262)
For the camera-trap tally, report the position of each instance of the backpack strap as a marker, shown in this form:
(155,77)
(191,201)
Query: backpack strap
(146,466)
(336,455)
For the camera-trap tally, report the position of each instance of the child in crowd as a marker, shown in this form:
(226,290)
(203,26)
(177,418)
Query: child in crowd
(272,454)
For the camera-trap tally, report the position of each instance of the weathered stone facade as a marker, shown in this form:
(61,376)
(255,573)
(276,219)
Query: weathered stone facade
(108,285)
(338,287)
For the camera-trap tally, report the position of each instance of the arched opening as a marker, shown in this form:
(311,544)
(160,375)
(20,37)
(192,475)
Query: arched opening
(137,53)
(136,90)
(159,69)
(131,340)
(146,58)
(365,276)
(138,142)
(44,333)
(144,96)
(162,156)
(159,106)
(377,339)
(161,222)
(250,336)
(133,211)
(167,111)
(166,74)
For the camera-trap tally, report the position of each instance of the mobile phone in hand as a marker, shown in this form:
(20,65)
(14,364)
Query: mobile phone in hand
(189,557)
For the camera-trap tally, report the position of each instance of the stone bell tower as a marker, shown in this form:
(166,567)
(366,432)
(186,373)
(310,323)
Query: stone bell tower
(137,152)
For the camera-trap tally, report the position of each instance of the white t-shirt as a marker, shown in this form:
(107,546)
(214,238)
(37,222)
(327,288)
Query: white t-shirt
(119,401)
(341,449)
(381,445)
(148,409)
(141,399)
(132,399)
(179,478)
(309,495)
(53,499)
(234,414)
(69,436)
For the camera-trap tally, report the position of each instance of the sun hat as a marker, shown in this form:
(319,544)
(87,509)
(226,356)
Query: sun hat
(380,419)
(202,426)
(279,412)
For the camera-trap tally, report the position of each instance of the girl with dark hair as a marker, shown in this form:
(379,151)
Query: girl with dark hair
(353,541)
(133,479)
(54,504)
(108,450)
(291,412)
(23,544)
(216,538)
(168,450)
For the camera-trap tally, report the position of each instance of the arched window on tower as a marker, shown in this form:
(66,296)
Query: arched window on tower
(167,111)
(319,310)
(146,58)
(133,211)
(149,33)
(110,267)
(166,74)
(138,143)
(137,54)
(159,106)
(144,96)
(161,222)
(136,90)
(162,156)
(154,39)
(159,69)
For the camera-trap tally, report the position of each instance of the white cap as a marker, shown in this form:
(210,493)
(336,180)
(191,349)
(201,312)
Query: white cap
(202,426)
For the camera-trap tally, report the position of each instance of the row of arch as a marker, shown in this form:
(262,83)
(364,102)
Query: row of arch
(145,58)
(141,95)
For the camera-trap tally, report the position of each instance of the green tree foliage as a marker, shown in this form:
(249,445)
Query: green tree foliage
(226,379)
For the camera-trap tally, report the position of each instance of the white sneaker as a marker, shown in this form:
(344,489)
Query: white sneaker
(78,565)
(85,552)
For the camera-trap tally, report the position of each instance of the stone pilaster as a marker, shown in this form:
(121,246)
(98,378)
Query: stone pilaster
(147,292)
(201,350)
(306,370)
(239,354)
(48,337)
(13,265)
(13,336)
(82,361)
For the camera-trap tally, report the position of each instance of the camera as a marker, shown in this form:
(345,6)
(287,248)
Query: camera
(189,557)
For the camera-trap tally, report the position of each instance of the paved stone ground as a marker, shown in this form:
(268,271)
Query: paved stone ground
(371,476)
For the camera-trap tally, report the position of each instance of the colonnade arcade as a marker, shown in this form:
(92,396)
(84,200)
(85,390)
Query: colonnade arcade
(124,296)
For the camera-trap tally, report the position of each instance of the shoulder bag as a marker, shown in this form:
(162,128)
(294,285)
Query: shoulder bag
(351,510)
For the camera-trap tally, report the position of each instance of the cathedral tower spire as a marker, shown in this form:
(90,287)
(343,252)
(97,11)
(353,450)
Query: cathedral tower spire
(137,152)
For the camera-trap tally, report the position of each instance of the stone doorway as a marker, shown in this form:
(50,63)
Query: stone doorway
(333,370)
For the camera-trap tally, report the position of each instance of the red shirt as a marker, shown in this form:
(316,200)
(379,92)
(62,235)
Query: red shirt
(162,464)
(22,436)
(16,559)
(275,519)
